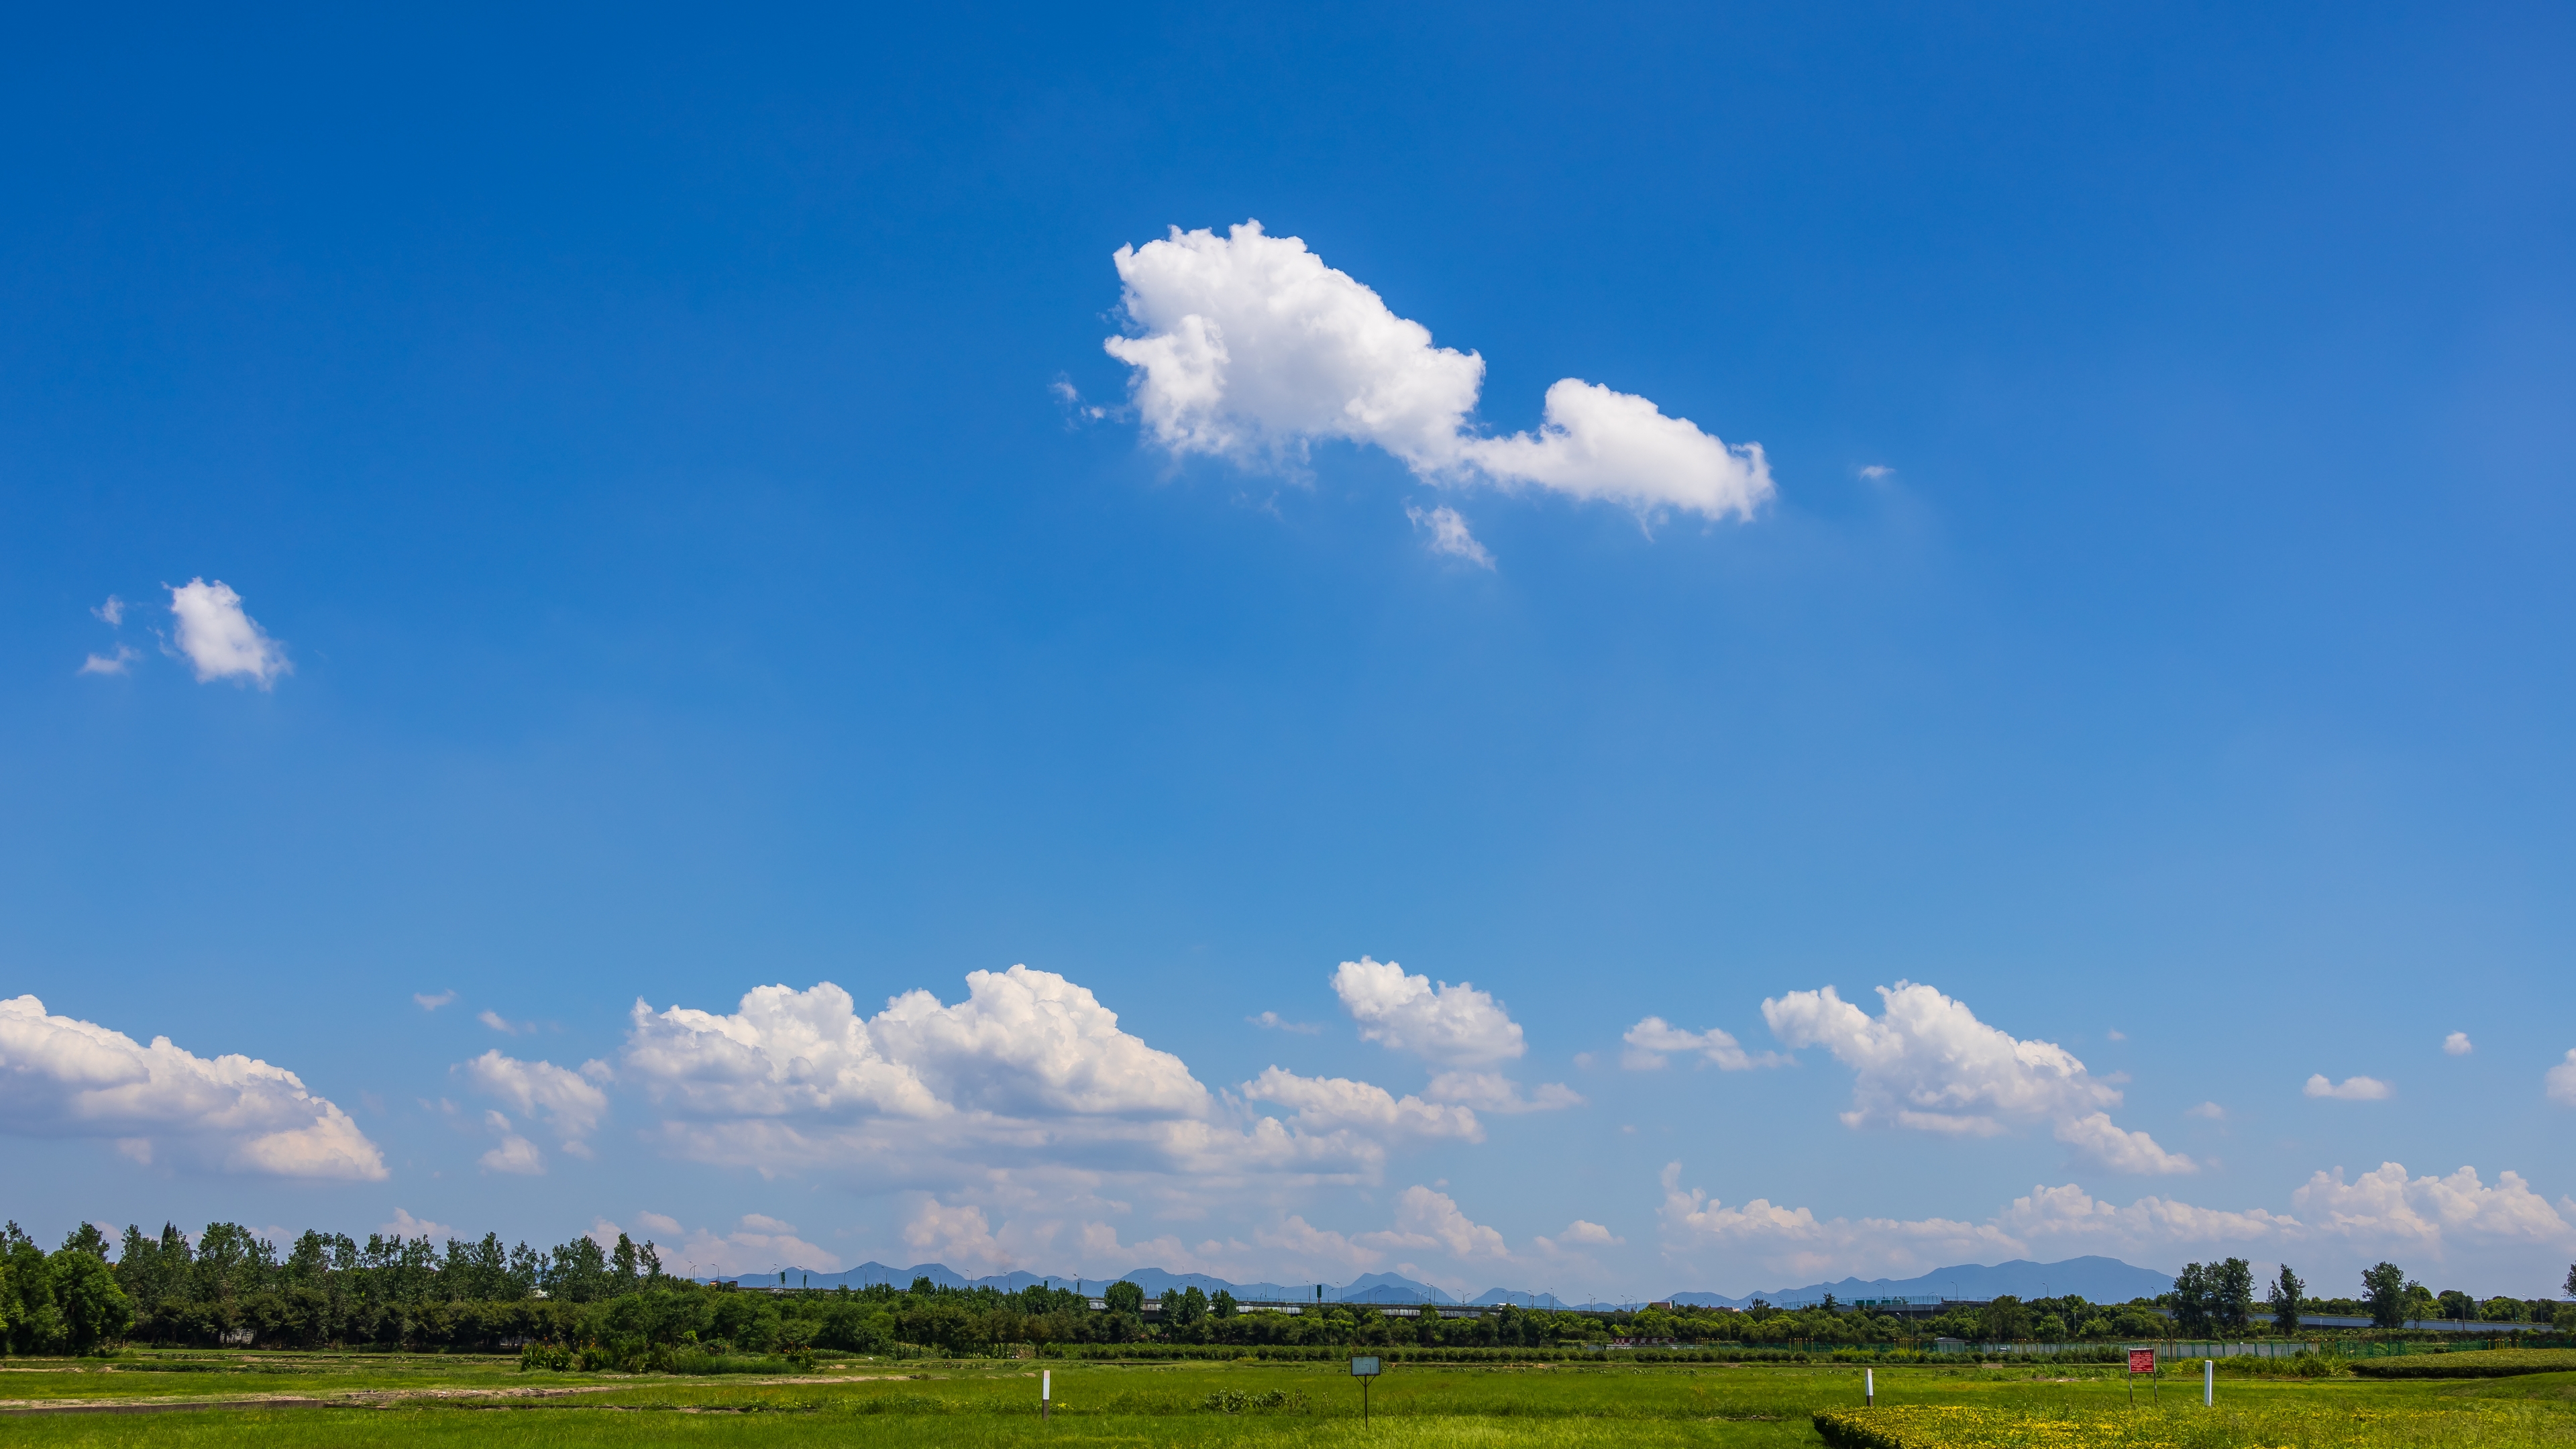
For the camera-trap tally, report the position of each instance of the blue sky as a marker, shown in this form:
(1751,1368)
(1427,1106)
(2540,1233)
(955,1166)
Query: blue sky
(698,542)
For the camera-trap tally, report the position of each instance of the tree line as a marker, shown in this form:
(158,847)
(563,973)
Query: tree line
(582,1303)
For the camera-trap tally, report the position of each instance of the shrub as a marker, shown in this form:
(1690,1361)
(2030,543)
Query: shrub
(2487,1364)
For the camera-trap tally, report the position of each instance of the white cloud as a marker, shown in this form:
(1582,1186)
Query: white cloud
(1927,1063)
(1653,1041)
(221,640)
(1273,1021)
(757,1244)
(566,1100)
(2383,1212)
(2097,1137)
(954,1236)
(1876,471)
(1456,1026)
(1252,349)
(121,662)
(1331,1104)
(2386,1207)
(428,1002)
(1588,1234)
(405,1225)
(1428,1221)
(503,1024)
(1449,535)
(515,1154)
(1029,1076)
(111,613)
(1494,1092)
(2350,1089)
(2457,1044)
(2560,1081)
(2208,1111)
(60,1077)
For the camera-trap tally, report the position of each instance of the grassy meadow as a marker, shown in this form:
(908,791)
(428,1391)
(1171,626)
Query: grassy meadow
(211,1400)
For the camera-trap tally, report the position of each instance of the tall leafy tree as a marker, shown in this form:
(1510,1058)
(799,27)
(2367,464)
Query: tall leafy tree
(2231,1308)
(2285,1299)
(2383,1287)
(95,1312)
(2194,1298)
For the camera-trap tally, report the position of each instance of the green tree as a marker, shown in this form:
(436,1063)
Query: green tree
(2231,1308)
(2005,1320)
(2285,1298)
(35,1323)
(2383,1287)
(1223,1306)
(2195,1298)
(95,1312)
(1123,1297)
(86,1239)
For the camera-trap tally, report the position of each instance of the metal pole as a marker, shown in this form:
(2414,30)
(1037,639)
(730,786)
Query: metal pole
(2208,1382)
(1869,1388)
(1364,1388)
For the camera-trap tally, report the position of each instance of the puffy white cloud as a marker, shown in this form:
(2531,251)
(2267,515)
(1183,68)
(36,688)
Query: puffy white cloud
(1030,1075)
(60,1077)
(1450,537)
(2350,1089)
(2425,1213)
(566,1100)
(1579,1231)
(958,1236)
(121,662)
(514,1154)
(111,613)
(2457,1044)
(405,1225)
(757,1244)
(2099,1138)
(1250,348)
(2208,1111)
(1653,1042)
(1929,1064)
(2560,1081)
(1332,1104)
(221,640)
(1456,1026)
(1428,1221)
(2383,1212)
(1494,1092)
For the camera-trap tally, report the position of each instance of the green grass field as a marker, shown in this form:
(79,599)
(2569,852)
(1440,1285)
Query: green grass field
(427,1401)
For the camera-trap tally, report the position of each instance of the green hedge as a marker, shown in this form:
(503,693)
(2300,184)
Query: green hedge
(2494,1363)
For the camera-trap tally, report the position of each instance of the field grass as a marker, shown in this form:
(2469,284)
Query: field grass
(382,1400)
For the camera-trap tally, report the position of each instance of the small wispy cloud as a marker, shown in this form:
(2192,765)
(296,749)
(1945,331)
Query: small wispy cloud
(121,662)
(1876,471)
(112,613)
(2350,1089)
(2457,1044)
(502,1024)
(2208,1111)
(433,1003)
(1449,535)
(1273,1021)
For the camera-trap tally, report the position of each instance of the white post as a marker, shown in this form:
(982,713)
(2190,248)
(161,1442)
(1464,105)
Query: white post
(1868,1387)
(2208,1382)
(1046,1393)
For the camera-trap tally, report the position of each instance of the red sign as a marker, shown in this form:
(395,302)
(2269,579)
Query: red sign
(2142,1360)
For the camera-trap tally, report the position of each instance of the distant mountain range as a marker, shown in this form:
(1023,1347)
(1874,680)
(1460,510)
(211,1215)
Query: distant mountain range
(2104,1280)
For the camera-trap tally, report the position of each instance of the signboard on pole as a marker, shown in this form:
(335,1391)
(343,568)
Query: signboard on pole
(2142,1360)
(1364,1369)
